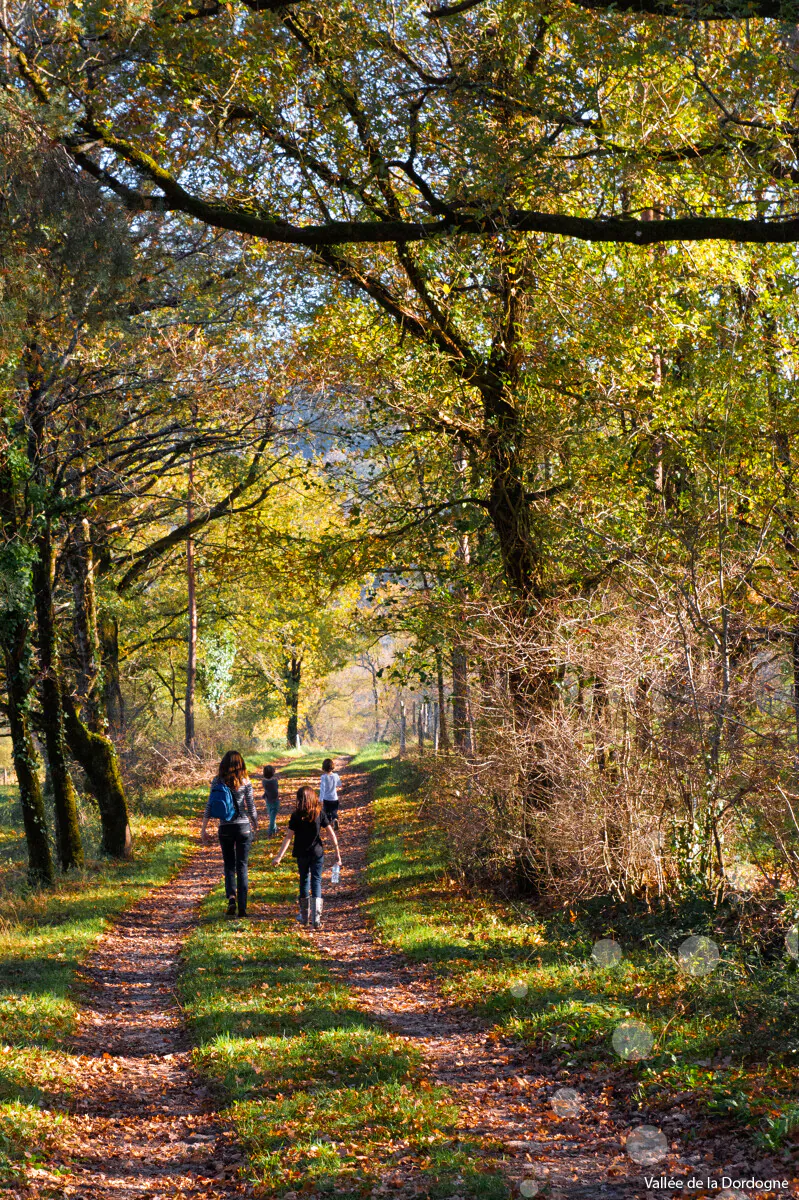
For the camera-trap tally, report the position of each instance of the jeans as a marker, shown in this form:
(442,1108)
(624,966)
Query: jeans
(235,841)
(272,808)
(310,869)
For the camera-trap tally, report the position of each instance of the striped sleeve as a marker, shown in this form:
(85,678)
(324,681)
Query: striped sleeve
(249,802)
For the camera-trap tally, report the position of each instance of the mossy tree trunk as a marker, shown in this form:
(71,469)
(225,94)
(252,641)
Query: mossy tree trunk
(86,738)
(70,847)
(113,700)
(98,758)
(16,654)
(80,565)
(65,800)
(16,620)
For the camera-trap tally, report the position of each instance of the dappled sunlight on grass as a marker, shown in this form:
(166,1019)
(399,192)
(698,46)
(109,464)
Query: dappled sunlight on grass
(346,1139)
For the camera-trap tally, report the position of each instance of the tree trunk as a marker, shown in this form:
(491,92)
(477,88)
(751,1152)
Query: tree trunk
(113,700)
(376,705)
(70,848)
(508,502)
(16,619)
(443,732)
(17,663)
(95,753)
(461,728)
(598,706)
(191,658)
(293,676)
(80,566)
(97,756)
(402,728)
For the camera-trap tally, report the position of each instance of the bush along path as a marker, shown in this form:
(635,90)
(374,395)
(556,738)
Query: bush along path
(711,1100)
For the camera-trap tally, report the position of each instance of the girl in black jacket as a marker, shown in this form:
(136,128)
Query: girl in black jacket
(305,825)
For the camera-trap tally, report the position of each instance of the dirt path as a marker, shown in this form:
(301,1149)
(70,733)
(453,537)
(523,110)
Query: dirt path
(143,1123)
(503,1089)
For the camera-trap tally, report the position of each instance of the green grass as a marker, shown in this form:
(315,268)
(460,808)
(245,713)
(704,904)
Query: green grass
(45,935)
(322,1098)
(730,1040)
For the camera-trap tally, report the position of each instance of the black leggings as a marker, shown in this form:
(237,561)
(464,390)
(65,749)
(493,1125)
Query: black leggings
(235,841)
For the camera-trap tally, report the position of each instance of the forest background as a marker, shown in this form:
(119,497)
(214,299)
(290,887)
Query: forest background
(439,362)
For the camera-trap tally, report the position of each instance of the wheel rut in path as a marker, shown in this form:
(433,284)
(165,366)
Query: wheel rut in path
(501,1086)
(142,1123)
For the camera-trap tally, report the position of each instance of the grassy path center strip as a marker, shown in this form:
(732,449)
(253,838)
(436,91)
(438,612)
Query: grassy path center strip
(323,1097)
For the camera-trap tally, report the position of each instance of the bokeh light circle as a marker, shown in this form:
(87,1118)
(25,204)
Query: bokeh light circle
(698,956)
(632,1041)
(739,877)
(518,989)
(647,1145)
(529,1187)
(607,952)
(567,1102)
(792,941)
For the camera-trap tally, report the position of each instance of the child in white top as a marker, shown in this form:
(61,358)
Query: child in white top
(329,784)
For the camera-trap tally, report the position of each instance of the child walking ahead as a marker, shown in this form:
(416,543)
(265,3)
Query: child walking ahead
(328,792)
(272,799)
(306,824)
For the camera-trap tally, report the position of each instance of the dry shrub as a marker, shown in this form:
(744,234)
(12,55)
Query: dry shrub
(150,763)
(611,761)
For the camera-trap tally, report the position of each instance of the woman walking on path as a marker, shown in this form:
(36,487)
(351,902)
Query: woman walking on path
(272,799)
(328,791)
(231,802)
(306,824)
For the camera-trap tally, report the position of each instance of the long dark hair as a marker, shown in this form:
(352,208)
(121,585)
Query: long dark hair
(308,803)
(233,769)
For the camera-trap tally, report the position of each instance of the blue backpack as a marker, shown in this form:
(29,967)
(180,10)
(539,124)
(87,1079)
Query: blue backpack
(221,803)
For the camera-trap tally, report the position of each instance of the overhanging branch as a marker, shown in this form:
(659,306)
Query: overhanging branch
(741,10)
(270,228)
